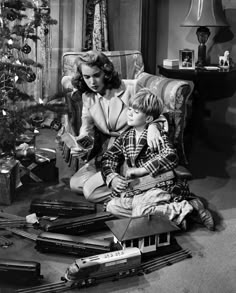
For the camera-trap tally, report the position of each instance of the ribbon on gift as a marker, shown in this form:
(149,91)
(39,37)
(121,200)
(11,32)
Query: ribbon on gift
(42,155)
(27,171)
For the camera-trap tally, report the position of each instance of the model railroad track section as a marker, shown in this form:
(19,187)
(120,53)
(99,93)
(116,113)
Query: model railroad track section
(23,233)
(9,220)
(145,268)
(10,216)
(163,261)
(50,288)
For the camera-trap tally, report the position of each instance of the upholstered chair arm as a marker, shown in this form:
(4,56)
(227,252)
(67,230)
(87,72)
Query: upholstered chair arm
(175,94)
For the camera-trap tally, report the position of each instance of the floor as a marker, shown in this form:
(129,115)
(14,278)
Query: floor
(212,267)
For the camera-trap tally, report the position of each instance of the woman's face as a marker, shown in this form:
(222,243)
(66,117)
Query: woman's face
(93,77)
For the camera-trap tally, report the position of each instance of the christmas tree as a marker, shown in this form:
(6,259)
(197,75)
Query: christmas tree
(20,21)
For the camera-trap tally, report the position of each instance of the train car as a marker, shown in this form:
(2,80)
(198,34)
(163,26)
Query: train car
(117,264)
(69,244)
(80,225)
(58,208)
(19,271)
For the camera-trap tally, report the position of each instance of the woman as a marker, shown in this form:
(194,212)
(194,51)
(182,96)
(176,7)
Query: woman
(105,102)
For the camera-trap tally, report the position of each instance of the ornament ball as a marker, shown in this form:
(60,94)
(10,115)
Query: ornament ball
(26,49)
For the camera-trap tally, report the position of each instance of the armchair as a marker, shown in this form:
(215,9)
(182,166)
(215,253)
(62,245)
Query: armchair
(129,64)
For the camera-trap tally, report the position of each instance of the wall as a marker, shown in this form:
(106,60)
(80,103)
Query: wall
(124,22)
(175,37)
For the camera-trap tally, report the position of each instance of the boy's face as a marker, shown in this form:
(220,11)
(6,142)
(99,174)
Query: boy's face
(136,118)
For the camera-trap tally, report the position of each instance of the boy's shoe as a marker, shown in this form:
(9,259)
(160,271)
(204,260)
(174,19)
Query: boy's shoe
(204,214)
(207,219)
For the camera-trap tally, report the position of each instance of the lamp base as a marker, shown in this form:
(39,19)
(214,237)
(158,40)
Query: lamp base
(203,34)
(201,56)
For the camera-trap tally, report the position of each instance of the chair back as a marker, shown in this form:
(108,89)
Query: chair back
(128,63)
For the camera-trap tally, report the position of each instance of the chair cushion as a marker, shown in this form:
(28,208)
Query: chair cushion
(128,63)
(175,94)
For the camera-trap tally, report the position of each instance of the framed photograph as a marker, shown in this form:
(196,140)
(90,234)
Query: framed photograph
(186,59)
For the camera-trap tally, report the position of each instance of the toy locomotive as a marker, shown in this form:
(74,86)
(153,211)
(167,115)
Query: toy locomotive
(86,271)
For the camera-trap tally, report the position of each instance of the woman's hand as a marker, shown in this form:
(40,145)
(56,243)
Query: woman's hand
(154,138)
(119,183)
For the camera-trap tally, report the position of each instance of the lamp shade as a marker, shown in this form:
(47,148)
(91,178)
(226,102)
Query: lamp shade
(207,13)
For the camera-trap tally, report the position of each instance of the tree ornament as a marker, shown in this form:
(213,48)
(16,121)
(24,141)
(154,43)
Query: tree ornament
(30,76)
(10,43)
(26,49)
(11,16)
(46,31)
(16,77)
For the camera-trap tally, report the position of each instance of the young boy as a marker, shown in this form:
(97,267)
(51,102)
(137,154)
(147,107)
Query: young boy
(131,148)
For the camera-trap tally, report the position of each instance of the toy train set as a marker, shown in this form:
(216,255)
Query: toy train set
(139,245)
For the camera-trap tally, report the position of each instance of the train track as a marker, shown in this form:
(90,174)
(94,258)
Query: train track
(145,268)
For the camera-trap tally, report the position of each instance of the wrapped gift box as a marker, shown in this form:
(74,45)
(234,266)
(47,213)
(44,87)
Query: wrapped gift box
(42,168)
(9,177)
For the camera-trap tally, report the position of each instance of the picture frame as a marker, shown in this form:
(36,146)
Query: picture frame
(186,59)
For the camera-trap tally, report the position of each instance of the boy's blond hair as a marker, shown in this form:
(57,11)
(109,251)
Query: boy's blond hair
(147,102)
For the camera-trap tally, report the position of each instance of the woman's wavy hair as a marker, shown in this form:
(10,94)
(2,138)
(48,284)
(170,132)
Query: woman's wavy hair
(112,79)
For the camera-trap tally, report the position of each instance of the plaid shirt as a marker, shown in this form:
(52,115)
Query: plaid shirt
(124,149)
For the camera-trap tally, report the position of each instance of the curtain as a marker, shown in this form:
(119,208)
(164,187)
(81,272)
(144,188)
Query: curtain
(66,36)
(96,37)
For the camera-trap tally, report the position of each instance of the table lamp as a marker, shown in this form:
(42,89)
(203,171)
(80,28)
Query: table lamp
(204,14)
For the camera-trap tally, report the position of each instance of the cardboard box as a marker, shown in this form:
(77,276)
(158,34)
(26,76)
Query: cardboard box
(171,62)
(9,176)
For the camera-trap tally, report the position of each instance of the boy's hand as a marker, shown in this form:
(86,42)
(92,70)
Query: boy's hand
(119,183)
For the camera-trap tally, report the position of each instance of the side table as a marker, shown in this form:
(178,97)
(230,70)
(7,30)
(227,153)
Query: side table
(209,85)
